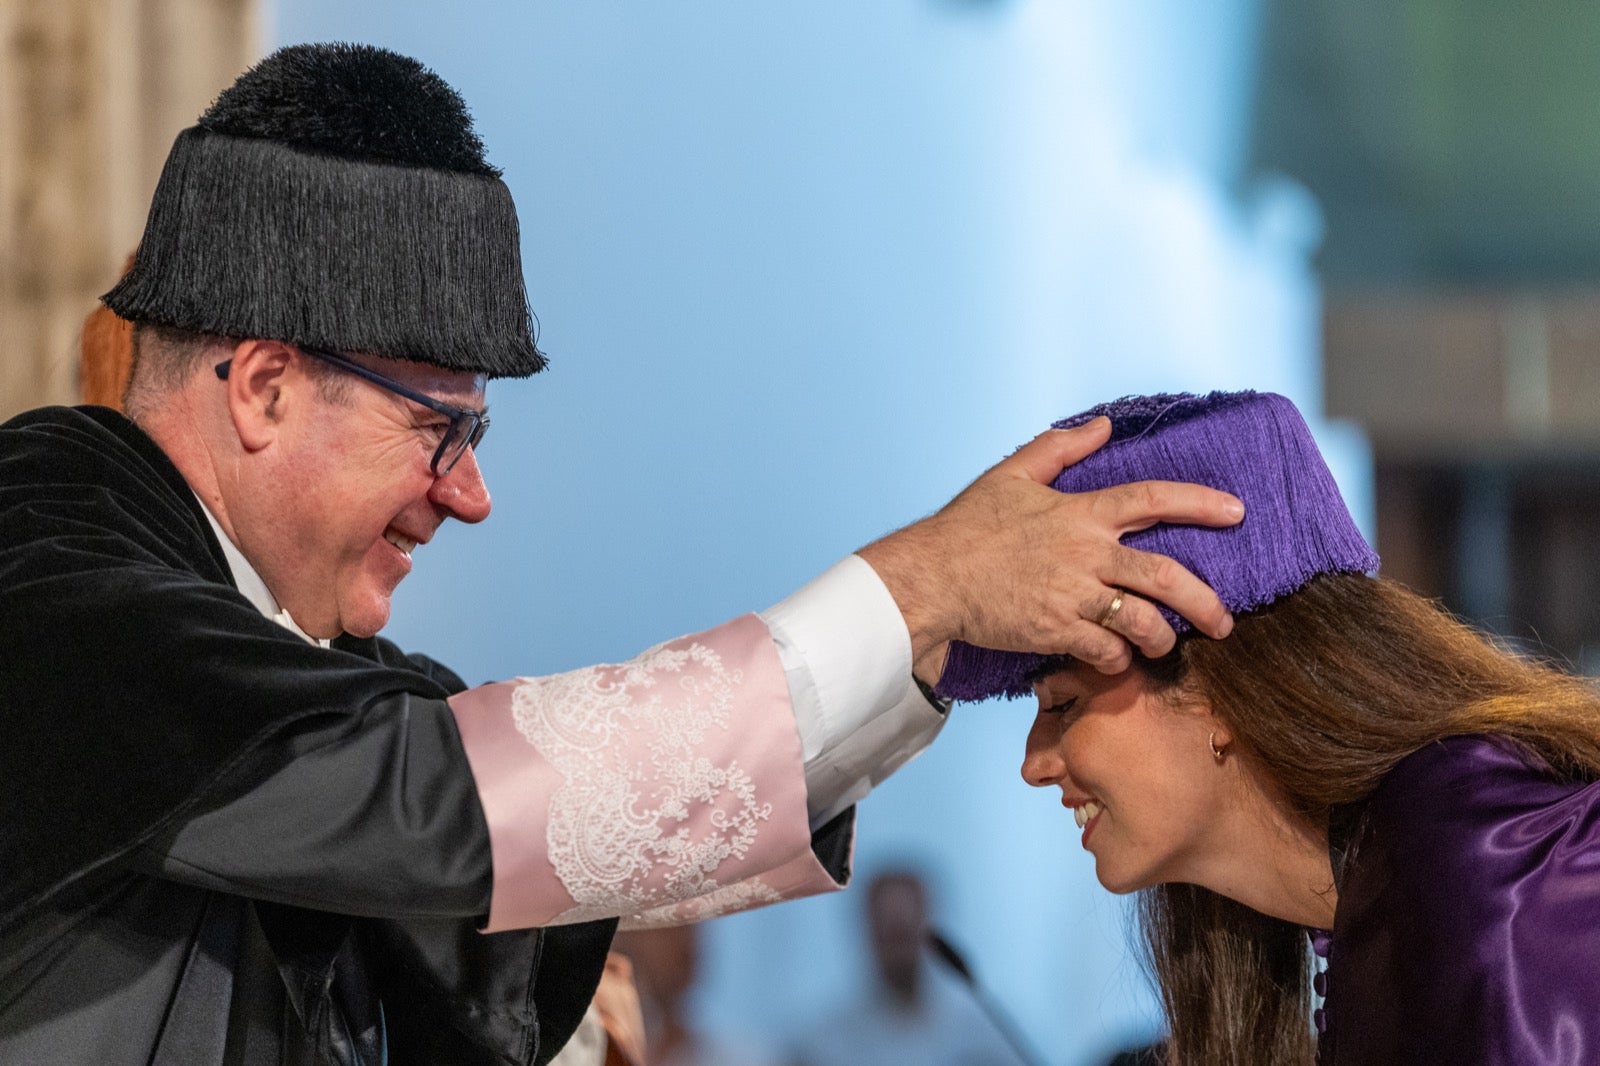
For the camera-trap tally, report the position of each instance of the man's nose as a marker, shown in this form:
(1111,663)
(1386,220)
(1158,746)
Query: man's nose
(462,491)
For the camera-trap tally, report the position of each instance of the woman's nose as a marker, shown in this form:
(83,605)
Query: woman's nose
(1041,761)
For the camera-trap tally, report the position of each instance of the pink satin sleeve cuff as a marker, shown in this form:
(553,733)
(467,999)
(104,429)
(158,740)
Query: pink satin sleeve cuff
(665,789)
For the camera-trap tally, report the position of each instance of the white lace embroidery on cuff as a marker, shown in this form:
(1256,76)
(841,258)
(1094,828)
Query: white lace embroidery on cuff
(671,783)
(608,837)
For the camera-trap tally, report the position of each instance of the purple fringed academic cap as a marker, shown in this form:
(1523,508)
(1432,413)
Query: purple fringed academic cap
(337,195)
(1252,444)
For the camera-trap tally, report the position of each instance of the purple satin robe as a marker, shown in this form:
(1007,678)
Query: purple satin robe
(1468,925)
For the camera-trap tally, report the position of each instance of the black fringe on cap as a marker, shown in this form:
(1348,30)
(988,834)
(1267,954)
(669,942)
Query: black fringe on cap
(249,237)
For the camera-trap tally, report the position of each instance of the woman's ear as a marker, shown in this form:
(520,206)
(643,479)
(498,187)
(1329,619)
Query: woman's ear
(259,390)
(1219,735)
(1200,721)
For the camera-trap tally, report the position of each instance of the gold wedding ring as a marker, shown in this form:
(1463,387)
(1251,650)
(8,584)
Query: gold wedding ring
(1110,613)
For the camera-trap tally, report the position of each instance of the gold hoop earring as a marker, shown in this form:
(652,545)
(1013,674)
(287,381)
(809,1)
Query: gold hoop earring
(1216,752)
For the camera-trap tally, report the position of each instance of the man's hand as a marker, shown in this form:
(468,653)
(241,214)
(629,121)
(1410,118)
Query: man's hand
(1013,564)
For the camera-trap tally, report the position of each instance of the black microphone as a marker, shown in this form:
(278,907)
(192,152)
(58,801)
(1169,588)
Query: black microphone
(946,953)
(950,957)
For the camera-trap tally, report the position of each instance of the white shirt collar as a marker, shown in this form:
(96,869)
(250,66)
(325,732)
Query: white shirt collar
(250,584)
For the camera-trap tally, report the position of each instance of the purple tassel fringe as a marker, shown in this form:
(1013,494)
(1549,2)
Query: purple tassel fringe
(1254,445)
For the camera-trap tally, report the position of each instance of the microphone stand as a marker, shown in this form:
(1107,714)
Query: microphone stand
(1008,1029)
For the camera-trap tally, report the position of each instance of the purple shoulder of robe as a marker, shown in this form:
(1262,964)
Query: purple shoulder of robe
(664,789)
(1468,924)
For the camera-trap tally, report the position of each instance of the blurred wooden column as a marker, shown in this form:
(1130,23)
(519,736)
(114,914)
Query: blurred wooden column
(91,94)
(1479,373)
(1483,408)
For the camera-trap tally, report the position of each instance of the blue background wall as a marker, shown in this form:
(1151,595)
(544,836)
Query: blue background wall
(803,271)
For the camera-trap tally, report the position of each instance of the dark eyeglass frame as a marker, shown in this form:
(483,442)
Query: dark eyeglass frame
(467,426)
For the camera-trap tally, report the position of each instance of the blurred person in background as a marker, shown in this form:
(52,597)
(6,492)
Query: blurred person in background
(914,1010)
(105,355)
(666,967)
(1362,832)
(240,825)
(612,1031)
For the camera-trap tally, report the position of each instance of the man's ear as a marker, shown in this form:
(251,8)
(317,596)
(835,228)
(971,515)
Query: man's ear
(259,390)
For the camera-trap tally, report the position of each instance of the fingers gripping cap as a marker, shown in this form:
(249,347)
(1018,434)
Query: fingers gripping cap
(1252,444)
(338,195)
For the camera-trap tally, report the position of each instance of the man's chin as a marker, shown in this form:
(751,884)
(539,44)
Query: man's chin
(366,627)
(368,619)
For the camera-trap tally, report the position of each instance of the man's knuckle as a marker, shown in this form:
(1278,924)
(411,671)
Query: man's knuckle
(1143,626)
(1166,575)
(1159,638)
(1093,643)
(1152,497)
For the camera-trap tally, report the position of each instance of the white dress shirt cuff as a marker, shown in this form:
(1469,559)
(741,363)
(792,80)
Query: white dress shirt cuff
(847,658)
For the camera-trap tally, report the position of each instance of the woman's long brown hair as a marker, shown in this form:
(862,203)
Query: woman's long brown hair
(1325,691)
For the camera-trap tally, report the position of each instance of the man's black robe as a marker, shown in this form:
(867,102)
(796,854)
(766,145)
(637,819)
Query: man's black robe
(221,844)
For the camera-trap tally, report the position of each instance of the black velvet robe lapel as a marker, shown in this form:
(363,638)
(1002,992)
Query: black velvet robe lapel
(136,684)
(100,534)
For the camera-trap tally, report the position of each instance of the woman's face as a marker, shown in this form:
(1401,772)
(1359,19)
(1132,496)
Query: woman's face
(1137,771)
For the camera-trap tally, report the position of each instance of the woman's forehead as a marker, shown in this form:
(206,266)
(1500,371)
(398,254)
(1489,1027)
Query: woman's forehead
(1076,678)
(1069,675)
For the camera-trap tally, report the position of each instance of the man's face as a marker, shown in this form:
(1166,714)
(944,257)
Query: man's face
(357,494)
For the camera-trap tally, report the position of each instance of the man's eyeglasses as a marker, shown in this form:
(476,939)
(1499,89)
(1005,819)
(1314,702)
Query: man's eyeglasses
(467,426)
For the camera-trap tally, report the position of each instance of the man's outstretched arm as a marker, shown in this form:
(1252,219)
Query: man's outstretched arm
(1010,563)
